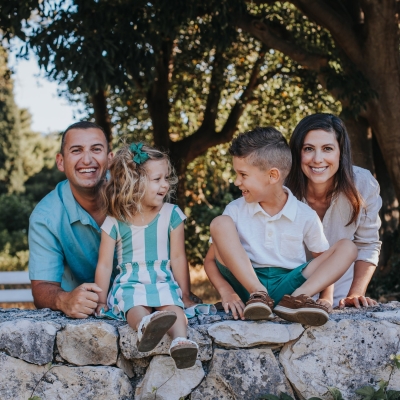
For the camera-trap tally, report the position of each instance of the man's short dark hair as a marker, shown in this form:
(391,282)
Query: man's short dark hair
(83,125)
(265,148)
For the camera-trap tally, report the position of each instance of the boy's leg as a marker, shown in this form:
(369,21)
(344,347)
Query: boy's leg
(320,273)
(230,252)
(327,268)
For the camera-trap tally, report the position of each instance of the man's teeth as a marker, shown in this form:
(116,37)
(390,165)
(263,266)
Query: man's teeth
(318,169)
(87,170)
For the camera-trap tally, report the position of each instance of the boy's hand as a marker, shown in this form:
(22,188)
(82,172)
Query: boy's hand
(326,303)
(231,301)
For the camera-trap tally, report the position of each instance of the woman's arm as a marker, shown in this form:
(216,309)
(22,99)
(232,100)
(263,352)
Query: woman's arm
(229,298)
(363,272)
(179,263)
(366,238)
(104,268)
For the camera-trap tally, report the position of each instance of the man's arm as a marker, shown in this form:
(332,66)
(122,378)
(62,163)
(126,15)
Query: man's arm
(79,303)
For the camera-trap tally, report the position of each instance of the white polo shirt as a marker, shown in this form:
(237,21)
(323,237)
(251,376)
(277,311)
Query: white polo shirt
(277,241)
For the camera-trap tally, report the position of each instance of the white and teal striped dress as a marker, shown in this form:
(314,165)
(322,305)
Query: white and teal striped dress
(145,277)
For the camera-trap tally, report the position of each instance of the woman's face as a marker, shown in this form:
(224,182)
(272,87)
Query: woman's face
(320,157)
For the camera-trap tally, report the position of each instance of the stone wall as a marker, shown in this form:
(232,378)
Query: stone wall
(45,354)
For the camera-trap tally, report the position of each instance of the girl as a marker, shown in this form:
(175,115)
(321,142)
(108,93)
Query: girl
(148,235)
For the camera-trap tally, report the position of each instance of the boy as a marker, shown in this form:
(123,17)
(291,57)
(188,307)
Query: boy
(257,252)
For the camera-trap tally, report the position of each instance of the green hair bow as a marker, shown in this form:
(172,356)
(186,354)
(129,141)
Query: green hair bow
(140,156)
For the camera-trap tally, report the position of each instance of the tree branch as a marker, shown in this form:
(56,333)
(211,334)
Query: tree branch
(214,95)
(264,33)
(157,97)
(101,114)
(198,143)
(339,24)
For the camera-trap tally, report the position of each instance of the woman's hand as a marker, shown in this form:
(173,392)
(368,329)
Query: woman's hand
(326,303)
(357,301)
(231,301)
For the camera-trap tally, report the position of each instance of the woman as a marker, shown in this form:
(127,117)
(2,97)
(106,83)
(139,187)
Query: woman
(345,197)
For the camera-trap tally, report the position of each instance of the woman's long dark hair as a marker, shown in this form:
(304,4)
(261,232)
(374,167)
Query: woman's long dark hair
(344,179)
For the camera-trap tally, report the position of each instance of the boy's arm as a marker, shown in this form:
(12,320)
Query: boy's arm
(229,298)
(179,264)
(104,268)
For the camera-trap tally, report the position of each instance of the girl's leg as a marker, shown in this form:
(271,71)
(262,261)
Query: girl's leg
(135,315)
(179,329)
(230,252)
(183,351)
(327,268)
(151,327)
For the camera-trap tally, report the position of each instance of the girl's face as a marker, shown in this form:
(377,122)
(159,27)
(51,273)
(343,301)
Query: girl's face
(320,156)
(157,184)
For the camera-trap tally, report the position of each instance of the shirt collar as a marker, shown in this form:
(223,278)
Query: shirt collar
(289,210)
(74,210)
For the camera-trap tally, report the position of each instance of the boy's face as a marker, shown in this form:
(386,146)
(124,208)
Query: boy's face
(251,180)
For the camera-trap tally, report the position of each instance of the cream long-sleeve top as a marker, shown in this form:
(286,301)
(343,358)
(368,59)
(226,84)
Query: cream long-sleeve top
(364,232)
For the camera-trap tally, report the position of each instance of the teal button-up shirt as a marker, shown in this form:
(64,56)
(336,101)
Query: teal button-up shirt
(64,240)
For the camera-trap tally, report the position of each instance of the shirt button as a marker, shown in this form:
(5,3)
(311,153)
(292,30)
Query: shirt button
(269,234)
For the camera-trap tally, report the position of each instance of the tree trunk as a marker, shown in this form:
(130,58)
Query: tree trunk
(361,142)
(101,115)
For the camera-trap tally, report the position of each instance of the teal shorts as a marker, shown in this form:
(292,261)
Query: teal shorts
(278,281)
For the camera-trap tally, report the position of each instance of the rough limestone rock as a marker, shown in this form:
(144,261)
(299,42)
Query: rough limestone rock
(92,343)
(18,378)
(128,344)
(32,341)
(97,383)
(344,353)
(165,382)
(242,375)
(238,334)
(126,366)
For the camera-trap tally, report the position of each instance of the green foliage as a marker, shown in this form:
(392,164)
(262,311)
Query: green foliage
(11,172)
(366,393)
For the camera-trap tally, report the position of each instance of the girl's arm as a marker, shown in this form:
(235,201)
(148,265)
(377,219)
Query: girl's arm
(104,268)
(179,263)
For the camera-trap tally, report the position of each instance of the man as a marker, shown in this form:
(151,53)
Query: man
(64,231)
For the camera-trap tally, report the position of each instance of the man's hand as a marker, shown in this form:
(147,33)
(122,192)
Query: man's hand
(357,301)
(81,302)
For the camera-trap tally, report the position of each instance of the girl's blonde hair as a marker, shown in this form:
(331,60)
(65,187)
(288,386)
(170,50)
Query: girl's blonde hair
(124,191)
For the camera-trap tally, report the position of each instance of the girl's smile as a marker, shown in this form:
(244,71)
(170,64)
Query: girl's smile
(157,184)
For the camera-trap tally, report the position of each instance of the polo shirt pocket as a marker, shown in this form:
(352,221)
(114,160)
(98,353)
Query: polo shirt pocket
(292,246)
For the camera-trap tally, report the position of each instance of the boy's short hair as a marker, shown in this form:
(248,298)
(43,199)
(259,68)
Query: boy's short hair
(265,147)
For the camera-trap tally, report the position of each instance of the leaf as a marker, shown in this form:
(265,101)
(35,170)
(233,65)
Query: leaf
(285,396)
(336,393)
(269,397)
(314,398)
(35,398)
(393,395)
(368,392)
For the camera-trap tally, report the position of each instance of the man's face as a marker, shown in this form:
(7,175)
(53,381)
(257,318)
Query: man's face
(85,159)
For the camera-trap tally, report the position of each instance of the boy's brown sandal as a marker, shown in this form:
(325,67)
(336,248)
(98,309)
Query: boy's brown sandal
(259,306)
(302,309)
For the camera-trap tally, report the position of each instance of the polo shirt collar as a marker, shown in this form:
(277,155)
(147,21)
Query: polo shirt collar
(289,210)
(73,209)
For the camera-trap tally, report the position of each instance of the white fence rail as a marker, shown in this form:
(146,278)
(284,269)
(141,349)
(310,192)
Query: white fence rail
(15,295)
